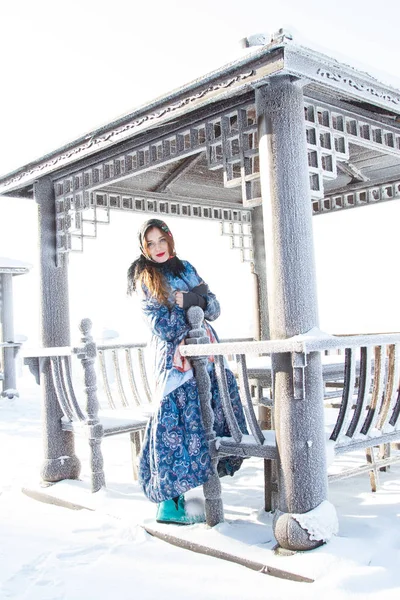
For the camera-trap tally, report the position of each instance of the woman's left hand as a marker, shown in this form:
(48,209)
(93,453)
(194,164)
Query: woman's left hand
(179,299)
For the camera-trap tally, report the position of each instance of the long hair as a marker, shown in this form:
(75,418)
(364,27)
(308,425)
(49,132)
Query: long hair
(151,274)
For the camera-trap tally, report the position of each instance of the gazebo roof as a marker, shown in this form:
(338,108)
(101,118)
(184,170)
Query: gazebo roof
(352,123)
(15,267)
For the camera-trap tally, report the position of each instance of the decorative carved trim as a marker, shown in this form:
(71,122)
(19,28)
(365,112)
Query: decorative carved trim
(361,87)
(117,134)
(357,197)
(230,141)
(75,224)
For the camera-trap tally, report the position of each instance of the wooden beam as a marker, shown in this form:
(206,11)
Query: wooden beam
(180,170)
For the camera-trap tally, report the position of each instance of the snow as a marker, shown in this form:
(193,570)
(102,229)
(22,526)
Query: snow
(321,522)
(50,552)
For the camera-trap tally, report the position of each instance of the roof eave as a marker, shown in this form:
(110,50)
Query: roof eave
(232,79)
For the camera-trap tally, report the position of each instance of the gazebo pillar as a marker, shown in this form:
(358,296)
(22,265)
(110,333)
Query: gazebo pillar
(60,461)
(292,303)
(260,272)
(7,320)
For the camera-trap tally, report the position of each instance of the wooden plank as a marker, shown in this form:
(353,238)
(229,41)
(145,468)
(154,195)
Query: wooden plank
(223,555)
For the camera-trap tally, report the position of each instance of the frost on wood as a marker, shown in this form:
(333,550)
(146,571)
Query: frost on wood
(321,523)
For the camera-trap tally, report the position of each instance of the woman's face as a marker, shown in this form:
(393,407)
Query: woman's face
(157,245)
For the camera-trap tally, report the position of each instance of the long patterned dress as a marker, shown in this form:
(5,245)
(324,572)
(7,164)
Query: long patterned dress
(175,455)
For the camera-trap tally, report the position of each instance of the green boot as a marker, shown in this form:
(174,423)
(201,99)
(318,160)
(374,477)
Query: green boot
(170,511)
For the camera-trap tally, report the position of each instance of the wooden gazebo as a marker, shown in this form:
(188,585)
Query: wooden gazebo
(261,145)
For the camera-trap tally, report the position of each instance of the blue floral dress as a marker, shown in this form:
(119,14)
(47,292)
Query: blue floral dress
(175,455)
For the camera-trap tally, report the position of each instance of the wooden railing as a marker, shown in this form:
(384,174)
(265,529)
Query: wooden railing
(368,415)
(124,408)
(124,374)
(369,410)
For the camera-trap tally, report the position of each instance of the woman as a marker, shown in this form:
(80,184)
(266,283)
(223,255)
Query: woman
(175,455)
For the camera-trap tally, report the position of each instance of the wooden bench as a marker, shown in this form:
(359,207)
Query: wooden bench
(368,415)
(123,408)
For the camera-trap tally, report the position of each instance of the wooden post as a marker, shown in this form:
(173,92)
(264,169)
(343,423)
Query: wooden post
(212,488)
(87,356)
(292,303)
(262,328)
(7,321)
(60,461)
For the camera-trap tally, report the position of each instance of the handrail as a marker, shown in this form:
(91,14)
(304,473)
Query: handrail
(366,417)
(120,396)
(121,346)
(42,352)
(47,352)
(302,343)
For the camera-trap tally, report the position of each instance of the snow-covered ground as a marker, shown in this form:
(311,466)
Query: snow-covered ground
(50,552)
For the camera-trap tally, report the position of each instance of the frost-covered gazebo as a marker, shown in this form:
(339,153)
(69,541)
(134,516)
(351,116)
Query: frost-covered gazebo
(261,145)
(9,268)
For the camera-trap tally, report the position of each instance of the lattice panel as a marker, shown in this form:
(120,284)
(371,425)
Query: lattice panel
(324,146)
(231,143)
(76,225)
(329,133)
(233,146)
(360,197)
(240,237)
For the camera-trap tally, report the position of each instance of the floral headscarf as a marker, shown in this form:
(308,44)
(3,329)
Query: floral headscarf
(149,225)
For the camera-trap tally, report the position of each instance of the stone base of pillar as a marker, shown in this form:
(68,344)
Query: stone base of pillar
(308,530)
(63,467)
(290,535)
(10,394)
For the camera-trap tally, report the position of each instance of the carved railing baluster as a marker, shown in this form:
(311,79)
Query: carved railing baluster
(212,488)
(377,391)
(225,399)
(248,406)
(59,389)
(347,396)
(363,391)
(117,369)
(143,374)
(69,388)
(87,356)
(106,383)
(391,387)
(125,377)
(131,376)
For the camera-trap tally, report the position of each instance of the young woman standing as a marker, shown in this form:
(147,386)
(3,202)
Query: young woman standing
(175,455)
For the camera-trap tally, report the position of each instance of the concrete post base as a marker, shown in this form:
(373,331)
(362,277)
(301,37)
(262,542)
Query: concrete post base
(57,469)
(290,535)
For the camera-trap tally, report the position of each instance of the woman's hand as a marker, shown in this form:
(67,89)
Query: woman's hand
(187,299)
(179,299)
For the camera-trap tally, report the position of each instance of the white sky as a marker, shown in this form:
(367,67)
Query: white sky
(69,67)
